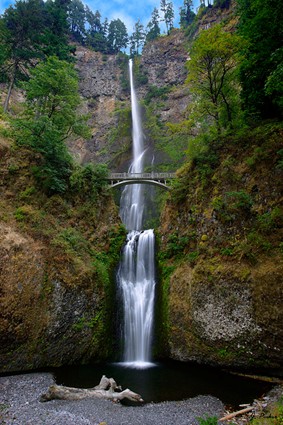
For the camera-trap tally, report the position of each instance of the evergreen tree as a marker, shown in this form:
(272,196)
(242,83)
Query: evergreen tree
(117,36)
(153,29)
(168,14)
(76,18)
(55,35)
(21,27)
(137,38)
(186,14)
(95,35)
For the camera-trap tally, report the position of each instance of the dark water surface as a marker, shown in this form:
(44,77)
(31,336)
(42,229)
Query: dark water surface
(168,381)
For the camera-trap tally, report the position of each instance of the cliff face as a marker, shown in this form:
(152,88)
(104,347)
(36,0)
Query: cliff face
(104,87)
(221,247)
(56,263)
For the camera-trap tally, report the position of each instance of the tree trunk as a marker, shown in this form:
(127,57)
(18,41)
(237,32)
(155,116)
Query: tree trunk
(11,85)
(107,389)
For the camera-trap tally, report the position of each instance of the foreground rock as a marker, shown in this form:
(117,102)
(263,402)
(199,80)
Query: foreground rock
(19,404)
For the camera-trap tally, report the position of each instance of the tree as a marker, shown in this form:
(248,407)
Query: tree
(50,117)
(19,34)
(55,37)
(153,26)
(30,31)
(168,14)
(76,18)
(117,36)
(186,14)
(261,24)
(214,58)
(95,35)
(137,38)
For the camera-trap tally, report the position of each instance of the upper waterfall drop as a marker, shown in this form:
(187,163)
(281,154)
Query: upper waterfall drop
(136,274)
(132,198)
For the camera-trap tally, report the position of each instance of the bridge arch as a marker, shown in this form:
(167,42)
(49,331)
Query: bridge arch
(140,181)
(157,179)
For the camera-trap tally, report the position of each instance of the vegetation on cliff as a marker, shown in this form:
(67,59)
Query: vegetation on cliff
(221,232)
(60,243)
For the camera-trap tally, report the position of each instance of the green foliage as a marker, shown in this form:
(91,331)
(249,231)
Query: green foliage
(89,180)
(117,36)
(192,257)
(154,92)
(168,14)
(140,75)
(153,29)
(212,77)
(27,193)
(270,220)
(137,38)
(72,241)
(261,24)
(123,126)
(186,14)
(49,118)
(208,420)
(180,184)
(90,323)
(240,200)
(175,245)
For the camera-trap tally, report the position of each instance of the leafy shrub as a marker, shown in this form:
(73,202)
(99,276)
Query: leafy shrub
(71,241)
(89,180)
(240,200)
(155,91)
(176,245)
(270,220)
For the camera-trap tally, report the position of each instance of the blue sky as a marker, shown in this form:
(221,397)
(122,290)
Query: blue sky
(129,11)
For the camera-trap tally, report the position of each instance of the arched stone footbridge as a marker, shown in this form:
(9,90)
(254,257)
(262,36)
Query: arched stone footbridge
(157,179)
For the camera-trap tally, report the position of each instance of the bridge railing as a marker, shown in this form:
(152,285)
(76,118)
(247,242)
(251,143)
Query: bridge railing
(138,176)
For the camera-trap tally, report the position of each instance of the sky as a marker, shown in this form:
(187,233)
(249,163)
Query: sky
(128,11)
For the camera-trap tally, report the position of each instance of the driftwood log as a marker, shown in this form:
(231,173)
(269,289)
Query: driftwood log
(107,389)
(239,412)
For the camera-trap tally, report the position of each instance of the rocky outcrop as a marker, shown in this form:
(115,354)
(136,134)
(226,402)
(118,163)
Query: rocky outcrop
(163,60)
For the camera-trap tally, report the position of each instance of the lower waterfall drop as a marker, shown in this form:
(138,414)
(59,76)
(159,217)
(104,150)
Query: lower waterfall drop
(136,277)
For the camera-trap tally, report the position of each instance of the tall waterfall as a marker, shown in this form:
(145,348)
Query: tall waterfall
(136,274)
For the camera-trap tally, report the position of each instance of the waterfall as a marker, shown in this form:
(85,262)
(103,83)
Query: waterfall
(136,274)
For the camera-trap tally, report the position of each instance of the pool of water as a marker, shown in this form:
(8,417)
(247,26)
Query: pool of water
(167,381)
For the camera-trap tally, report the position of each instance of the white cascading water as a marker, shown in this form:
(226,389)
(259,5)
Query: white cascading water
(136,274)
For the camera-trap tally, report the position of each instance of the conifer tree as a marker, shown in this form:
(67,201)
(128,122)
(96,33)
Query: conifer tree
(153,26)
(117,36)
(168,14)
(137,38)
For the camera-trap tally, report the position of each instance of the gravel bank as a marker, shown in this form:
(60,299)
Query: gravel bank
(20,405)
